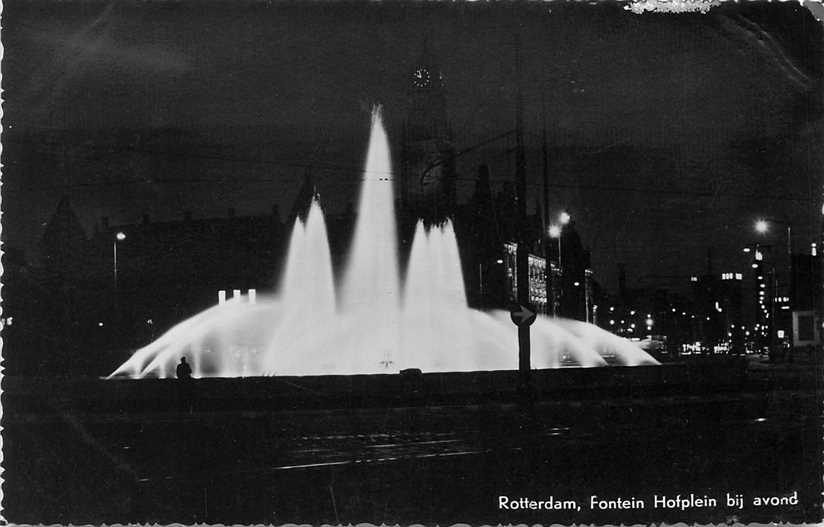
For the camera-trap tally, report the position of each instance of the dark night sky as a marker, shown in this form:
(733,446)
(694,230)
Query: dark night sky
(669,134)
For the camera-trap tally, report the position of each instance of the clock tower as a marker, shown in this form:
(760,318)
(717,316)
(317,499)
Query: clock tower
(428,182)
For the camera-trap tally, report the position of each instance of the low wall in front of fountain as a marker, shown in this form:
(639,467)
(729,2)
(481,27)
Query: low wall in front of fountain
(352,391)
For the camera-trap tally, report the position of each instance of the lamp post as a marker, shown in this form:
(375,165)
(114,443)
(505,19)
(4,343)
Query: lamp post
(118,237)
(554,232)
(762,226)
(587,294)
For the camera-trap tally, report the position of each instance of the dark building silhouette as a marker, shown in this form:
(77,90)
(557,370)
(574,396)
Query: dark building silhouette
(68,274)
(773,318)
(487,229)
(805,299)
(31,320)
(170,270)
(485,274)
(574,263)
(427,186)
(90,301)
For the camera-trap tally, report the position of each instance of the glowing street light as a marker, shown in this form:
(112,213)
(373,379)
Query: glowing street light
(564,218)
(762,226)
(118,237)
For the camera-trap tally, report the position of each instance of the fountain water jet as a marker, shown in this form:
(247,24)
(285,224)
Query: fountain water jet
(370,324)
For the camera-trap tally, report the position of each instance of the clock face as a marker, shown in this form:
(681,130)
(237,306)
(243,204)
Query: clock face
(421,78)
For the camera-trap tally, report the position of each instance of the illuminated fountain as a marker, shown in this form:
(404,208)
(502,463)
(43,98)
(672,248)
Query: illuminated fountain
(372,322)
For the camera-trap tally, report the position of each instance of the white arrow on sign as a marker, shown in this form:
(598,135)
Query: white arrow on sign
(522,316)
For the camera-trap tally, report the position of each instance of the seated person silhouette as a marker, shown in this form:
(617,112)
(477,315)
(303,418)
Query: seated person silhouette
(185,393)
(184,371)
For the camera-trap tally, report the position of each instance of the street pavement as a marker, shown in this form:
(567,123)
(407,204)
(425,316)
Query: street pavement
(413,464)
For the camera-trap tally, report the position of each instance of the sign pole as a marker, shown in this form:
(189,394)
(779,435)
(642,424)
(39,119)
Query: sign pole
(522,254)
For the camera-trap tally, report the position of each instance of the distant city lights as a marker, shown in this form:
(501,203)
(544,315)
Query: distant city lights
(732,276)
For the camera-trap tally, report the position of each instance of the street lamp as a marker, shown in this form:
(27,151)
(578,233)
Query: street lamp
(118,237)
(554,282)
(564,218)
(762,226)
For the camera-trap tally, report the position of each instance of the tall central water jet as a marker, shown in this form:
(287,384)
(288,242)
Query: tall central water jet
(372,277)
(369,326)
(371,285)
